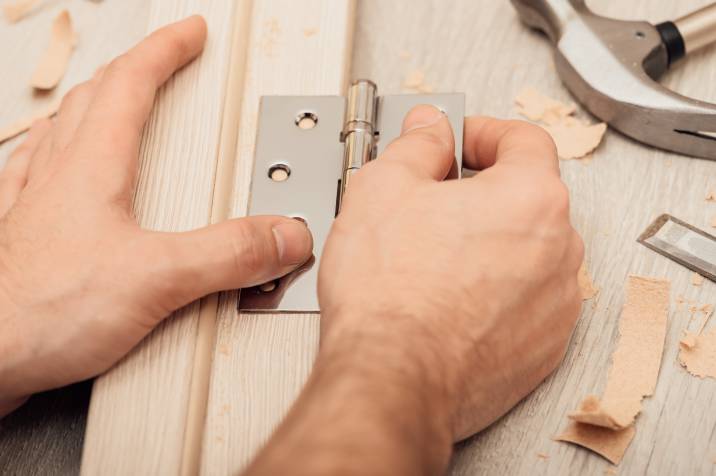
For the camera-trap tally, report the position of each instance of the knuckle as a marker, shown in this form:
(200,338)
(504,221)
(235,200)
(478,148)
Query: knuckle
(554,196)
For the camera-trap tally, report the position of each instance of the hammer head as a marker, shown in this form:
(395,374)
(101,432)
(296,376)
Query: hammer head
(611,67)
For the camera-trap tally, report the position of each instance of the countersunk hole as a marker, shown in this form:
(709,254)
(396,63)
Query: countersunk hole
(269,287)
(640,34)
(279,172)
(306,120)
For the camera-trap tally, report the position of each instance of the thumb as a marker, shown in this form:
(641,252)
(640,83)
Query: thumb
(235,254)
(426,144)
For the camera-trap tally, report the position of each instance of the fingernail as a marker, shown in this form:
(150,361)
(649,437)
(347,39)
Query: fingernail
(293,241)
(424,115)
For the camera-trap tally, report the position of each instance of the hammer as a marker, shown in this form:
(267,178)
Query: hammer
(611,67)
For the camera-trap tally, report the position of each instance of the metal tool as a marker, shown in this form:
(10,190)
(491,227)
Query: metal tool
(611,67)
(683,243)
(307,150)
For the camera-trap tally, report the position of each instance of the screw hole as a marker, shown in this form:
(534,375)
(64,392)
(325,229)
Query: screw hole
(640,34)
(279,172)
(306,120)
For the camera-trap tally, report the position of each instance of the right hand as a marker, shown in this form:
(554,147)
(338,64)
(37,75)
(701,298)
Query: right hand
(464,291)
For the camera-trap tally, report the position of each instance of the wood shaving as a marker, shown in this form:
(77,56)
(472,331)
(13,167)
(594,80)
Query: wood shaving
(19,9)
(610,444)
(22,125)
(414,80)
(535,106)
(54,62)
(574,139)
(697,354)
(697,279)
(586,285)
(542,455)
(600,425)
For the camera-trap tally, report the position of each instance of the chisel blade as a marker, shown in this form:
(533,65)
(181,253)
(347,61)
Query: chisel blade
(683,243)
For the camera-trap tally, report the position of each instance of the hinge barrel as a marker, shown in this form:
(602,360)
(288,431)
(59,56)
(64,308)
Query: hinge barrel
(359,129)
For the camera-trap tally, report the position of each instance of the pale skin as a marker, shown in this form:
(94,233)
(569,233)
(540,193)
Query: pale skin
(443,303)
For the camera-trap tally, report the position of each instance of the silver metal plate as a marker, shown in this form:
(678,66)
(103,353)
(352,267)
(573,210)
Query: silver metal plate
(313,159)
(393,108)
(683,243)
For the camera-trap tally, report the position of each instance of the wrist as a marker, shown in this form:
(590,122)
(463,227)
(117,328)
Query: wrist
(11,352)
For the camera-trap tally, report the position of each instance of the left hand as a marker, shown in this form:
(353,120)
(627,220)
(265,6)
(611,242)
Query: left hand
(80,282)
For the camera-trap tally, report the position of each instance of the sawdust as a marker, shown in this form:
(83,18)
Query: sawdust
(270,37)
(574,139)
(309,32)
(696,279)
(586,285)
(606,425)
(697,351)
(405,55)
(415,82)
(22,125)
(19,9)
(53,64)
(542,455)
(711,196)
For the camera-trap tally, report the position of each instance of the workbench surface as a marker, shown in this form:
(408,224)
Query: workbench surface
(478,47)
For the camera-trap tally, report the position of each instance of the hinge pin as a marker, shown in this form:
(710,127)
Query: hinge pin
(359,129)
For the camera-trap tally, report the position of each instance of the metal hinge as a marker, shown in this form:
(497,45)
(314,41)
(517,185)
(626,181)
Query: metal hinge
(307,149)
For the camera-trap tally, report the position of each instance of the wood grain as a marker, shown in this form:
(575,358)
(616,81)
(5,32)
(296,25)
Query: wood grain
(262,361)
(475,46)
(141,407)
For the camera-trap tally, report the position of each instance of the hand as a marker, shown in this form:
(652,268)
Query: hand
(80,282)
(468,288)
(442,303)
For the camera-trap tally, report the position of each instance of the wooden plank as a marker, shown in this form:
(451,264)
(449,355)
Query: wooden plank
(261,361)
(481,48)
(146,412)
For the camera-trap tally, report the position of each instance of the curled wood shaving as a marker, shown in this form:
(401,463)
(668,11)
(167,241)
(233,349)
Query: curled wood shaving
(606,425)
(574,139)
(53,64)
(22,125)
(535,106)
(19,9)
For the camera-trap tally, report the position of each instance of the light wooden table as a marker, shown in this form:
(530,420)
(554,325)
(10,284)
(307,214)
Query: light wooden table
(480,48)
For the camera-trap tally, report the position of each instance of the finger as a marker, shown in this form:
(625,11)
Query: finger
(125,96)
(14,176)
(426,145)
(234,254)
(491,141)
(73,109)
